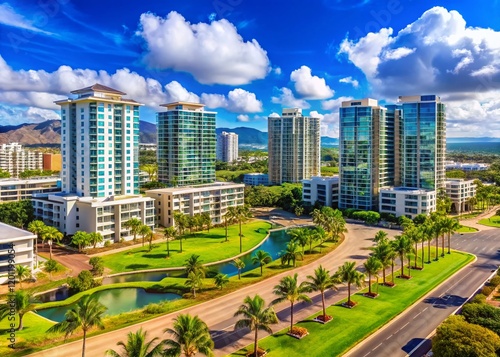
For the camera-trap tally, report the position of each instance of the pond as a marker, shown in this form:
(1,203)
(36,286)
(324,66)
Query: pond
(276,242)
(116,300)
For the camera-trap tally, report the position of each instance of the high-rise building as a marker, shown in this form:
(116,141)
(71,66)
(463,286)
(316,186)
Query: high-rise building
(422,142)
(15,159)
(293,146)
(100,171)
(52,162)
(186,144)
(227,147)
(99,143)
(364,162)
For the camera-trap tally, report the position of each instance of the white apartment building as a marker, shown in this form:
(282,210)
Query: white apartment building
(321,189)
(409,202)
(70,213)
(19,189)
(16,159)
(468,166)
(23,254)
(460,191)
(100,166)
(212,198)
(227,147)
(256,179)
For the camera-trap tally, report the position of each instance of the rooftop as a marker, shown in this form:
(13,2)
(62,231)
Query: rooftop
(8,233)
(98,88)
(195,188)
(408,190)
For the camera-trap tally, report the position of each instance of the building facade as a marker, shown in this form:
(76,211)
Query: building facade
(14,159)
(23,242)
(293,147)
(409,202)
(52,162)
(213,198)
(227,147)
(363,165)
(256,179)
(186,144)
(460,192)
(100,172)
(20,189)
(321,189)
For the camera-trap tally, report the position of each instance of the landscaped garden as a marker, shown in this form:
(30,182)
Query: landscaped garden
(350,326)
(211,246)
(466,229)
(491,222)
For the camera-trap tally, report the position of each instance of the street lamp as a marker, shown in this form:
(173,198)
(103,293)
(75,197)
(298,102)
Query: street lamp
(50,248)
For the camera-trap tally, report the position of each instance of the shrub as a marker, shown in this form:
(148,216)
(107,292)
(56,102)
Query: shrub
(153,308)
(107,243)
(487,290)
(495,281)
(478,299)
(299,331)
(84,281)
(97,266)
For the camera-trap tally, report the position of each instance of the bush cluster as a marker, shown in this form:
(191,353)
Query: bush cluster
(298,331)
(84,281)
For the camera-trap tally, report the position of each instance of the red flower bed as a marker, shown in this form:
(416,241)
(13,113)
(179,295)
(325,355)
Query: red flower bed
(298,332)
(323,318)
(350,304)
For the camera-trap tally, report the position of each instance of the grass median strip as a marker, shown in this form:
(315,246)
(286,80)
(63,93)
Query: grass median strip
(350,326)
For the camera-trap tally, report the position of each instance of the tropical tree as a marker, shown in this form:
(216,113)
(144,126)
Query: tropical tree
(94,238)
(36,227)
(51,234)
(81,239)
(133,224)
(428,233)
(194,265)
(290,254)
(451,226)
(312,237)
(150,237)
(437,224)
(383,252)
(332,222)
(243,213)
(372,267)
(402,246)
(144,231)
(380,237)
(168,233)
(137,345)
(261,258)
(85,315)
(22,272)
(300,236)
(191,223)
(414,236)
(24,302)
(320,236)
(221,280)
(239,264)
(290,290)
(189,336)
(348,274)
(51,266)
(207,221)
(321,281)
(228,217)
(255,316)
(181,221)
(194,281)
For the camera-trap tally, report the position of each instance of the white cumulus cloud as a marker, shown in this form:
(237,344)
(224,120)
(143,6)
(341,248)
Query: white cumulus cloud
(243,118)
(309,86)
(238,100)
(287,99)
(212,53)
(350,80)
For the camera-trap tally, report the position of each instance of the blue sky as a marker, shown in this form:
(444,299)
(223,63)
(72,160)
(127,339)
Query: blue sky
(248,59)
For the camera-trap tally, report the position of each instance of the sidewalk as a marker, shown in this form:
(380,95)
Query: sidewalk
(472,222)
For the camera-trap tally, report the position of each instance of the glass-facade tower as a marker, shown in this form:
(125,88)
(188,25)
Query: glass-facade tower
(186,144)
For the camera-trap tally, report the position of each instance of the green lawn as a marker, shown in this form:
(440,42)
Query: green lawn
(491,222)
(210,246)
(329,171)
(349,326)
(466,229)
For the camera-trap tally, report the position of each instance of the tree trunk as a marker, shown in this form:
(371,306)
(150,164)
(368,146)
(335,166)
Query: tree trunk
(168,248)
(20,327)
(392,271)
(449,243)
(84,340)
(349,294)
(416,255)
(383,275)
(291,316)
(409,270)
(261,266)
(428,252)
(442,245)
(256,344)
(194,293)
(423,253)
(402,266)
(180,240)
(437,248)
(239,274)
(323,302)
(50,250)
(369,284)
(241,244)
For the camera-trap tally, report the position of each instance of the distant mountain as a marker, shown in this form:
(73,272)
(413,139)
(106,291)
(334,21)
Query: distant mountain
(247,136)
(327,141)
(49,133)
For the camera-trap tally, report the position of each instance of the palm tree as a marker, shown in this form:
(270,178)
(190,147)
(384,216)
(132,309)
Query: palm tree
(22,272)
(24,302)
(181,221)
(81,239)
(144,232)
(255,317)
(414,236)
(194,264)
(168,233)
(95,237)
(290,290)
(383,252)
(133,225)
(312,236)
(150,237)
(243,213)
(221,280)
(85,315)
(207,220)
(138,346)
(51,266)
(189,336)
(228,217)
(262,258)
(51,234)
(428,230)
(36,227)
(194,281)
(380,237)
(372,266)
(437,224)
(402,246)
(348,274)
(320,235)
(239,264)
(321,281)
(451,226)
(290,254)
(300,236)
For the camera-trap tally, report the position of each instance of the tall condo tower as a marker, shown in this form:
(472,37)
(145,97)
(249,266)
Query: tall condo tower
(422,141)
(99,143)
(227,147)
(293,146)
(365,163)
(186,144)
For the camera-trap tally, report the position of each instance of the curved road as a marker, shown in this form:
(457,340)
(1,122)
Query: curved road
(218,313)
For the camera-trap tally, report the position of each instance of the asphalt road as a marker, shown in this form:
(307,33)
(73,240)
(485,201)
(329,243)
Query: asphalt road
(412,328)
(218,313)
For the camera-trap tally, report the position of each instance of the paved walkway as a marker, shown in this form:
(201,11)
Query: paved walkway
(472,222)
